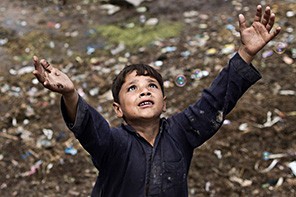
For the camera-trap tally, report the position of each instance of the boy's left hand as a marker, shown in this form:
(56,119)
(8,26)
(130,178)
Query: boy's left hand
(255,37)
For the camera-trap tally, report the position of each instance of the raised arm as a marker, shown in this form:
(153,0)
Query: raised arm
(57,81)
(255,37)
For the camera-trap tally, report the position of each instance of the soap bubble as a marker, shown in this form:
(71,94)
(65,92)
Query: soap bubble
(197,74)
(280,47)
(180,80)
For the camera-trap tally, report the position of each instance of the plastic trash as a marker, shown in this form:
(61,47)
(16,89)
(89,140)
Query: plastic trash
(71,150)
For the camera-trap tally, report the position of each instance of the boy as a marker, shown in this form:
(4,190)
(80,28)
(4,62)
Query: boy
(148,155)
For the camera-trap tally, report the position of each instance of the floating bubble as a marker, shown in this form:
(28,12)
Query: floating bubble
(280,47)
(197,74)
(180,80)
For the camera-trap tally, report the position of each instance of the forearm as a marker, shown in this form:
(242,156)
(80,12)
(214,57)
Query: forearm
(231,84)
(71,101)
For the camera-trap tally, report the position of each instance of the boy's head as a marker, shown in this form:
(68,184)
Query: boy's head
(141,70)
(138,94)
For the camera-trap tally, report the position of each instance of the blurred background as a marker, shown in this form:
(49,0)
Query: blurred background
(253,154)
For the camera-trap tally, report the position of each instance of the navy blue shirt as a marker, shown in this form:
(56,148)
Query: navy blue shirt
(130,167)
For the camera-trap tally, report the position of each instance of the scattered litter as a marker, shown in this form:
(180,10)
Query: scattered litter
(185,54)
(44,142)
(228,49)
(33,169)
(168,49)
(3,41)
(90,50)
(211,51)
(243,127)
(273,183)
(70,150)
(49,167)
(118,49)
(287,92)
(292,113)
(208,186)
(135,3)
(151,22)
(267,54)
(292,165)
(267,155)
(270,121)
(218,153)
(111,9)
(269,168)
(158,63)
(242,182)
(288,60)
(226,122)
(290,14)
(48,133)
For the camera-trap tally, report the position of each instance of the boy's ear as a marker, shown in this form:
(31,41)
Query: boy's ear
(117,110)
(164,104)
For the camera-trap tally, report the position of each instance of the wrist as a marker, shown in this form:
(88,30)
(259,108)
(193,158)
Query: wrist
(72,95)
(245,55)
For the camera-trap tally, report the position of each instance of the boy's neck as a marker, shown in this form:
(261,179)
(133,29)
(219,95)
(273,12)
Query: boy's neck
(146,129)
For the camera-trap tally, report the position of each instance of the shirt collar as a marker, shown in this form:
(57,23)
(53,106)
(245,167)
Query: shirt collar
(130,129)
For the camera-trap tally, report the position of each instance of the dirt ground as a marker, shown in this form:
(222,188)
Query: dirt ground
(34,142)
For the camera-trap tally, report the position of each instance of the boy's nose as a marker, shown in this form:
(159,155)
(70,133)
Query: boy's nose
(146,93)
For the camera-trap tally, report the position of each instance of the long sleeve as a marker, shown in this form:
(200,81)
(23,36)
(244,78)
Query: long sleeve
(201,120)
(91,129)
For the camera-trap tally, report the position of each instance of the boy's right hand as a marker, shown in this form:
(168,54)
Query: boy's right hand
(52,78)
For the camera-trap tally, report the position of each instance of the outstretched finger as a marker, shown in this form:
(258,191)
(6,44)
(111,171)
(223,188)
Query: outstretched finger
(271,22)
(39,76)
(39,71)
(275,33)
(242,22)
(46,65)
(258,15)
(266,16)
(37,65)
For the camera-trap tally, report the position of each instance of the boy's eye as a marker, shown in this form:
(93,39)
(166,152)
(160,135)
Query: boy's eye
(152,85)
(131,88)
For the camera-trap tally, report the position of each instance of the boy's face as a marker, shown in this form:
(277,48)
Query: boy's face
(140,98)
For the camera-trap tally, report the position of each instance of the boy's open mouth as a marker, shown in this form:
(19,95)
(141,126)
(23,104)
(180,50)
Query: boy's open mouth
(146,103)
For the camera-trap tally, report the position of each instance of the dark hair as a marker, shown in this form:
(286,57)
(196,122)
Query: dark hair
(142,69)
